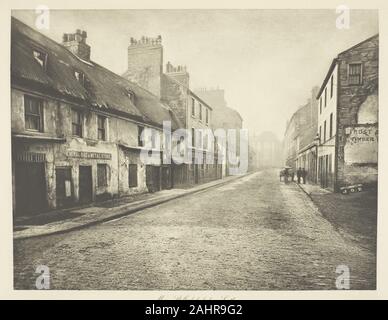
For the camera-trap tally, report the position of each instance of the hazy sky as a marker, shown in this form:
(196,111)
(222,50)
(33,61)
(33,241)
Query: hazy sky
(266,60)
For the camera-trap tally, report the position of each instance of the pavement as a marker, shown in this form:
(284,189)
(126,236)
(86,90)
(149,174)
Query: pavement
(251,233)
(82,217)
(354,215)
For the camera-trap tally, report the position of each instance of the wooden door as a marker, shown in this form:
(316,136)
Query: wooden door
(85,184)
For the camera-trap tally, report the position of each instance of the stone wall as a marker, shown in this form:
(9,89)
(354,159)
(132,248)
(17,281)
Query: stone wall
(350,99)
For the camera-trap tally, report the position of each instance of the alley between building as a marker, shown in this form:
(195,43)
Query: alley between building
(255,233)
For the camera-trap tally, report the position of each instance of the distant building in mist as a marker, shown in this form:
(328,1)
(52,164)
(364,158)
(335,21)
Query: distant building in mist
(299,144)
(265,151)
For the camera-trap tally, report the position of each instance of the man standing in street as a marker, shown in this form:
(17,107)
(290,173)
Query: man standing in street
(304,173)
(299,174)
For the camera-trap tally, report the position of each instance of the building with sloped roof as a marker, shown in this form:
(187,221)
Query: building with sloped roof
(172,86)
(348,118)
(78,128)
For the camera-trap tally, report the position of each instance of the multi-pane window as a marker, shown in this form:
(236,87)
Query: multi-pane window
(102,175)
(331,125)
(200,111)
(154,136)
(76,122)
(325,96)
(41,58)
(132,175)
(207,115)
(101,127)
(331,86)
(33,113)
(355,73)
(320,134)
(193,137)
(324,131)
(320,105)
(192,106)
(140,130)
(200,139)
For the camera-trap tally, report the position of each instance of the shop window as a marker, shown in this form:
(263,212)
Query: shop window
(102,175)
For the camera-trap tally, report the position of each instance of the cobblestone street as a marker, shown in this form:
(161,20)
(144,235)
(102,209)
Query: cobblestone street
(254,233)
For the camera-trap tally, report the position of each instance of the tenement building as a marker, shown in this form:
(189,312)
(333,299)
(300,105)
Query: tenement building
(78,128)
(172,87)
(226,118)
(348,118)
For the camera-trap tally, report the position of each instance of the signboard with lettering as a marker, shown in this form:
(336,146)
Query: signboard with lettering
(361,144)
(89,155)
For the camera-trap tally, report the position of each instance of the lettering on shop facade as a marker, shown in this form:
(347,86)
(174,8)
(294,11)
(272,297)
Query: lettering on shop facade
(89,155)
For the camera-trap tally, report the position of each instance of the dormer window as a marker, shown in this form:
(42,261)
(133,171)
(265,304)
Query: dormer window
(80,76)
(131,96)
(41,58)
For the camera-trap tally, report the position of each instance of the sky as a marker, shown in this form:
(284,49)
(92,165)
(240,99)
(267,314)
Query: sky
(267,61)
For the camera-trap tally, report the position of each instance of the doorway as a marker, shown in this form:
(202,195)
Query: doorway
(153,178)
(85,184)
(64,187)
(30,188)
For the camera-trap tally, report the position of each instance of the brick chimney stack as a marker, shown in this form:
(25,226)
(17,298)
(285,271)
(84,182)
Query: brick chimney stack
(179,73)
(145,63)
(76,43)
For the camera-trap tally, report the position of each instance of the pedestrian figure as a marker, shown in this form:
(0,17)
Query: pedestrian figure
(304,173)
(292,175)
(299,174)
(286,176)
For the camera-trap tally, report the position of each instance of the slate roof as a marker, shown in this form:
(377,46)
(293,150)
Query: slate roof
(104,89)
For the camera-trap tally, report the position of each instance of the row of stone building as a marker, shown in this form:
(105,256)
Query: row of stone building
(335,135)
(78,129)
